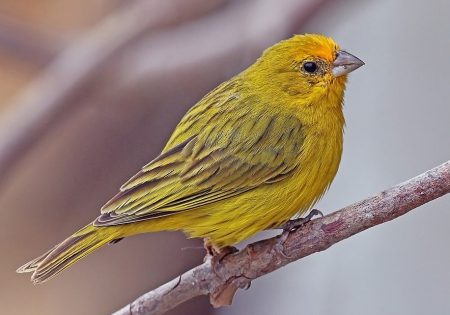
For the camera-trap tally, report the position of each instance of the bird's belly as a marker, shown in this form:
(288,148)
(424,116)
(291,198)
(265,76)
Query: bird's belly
(230,221)
(233,220)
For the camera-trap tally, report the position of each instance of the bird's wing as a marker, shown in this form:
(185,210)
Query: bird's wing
(229,156)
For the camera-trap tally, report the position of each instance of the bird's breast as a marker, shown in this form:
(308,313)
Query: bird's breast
(319,162)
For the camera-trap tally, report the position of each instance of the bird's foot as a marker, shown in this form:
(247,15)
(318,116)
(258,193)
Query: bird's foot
(294,224)
(217,254)
(224,294)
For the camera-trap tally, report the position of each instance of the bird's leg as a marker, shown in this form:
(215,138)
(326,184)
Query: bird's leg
(225,293)
(294,224)
(217,253)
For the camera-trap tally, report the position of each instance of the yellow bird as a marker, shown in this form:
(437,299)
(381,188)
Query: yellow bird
(257,150)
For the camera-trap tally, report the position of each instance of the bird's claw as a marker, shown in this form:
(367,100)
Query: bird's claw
(247,286)
(215,253)
(294,224)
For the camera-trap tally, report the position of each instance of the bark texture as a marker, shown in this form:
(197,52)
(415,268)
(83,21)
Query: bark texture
(222,279)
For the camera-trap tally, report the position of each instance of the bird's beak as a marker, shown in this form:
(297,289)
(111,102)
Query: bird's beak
(345,63)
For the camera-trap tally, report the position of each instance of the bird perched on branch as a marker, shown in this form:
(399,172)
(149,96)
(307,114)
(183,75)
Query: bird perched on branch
(257,150)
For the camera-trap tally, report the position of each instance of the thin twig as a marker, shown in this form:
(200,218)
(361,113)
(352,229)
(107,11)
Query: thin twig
(221,280)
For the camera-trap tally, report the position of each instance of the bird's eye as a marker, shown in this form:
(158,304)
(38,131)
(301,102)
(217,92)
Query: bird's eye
(310,67)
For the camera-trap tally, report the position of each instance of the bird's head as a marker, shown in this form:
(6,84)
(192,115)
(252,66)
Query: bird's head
(311,66)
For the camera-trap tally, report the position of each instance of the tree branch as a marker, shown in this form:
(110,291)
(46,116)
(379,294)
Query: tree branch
(221,280)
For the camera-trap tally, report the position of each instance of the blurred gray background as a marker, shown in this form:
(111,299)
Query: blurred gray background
(102,128)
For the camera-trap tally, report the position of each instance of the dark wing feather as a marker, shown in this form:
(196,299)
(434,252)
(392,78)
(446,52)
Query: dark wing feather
(227,157)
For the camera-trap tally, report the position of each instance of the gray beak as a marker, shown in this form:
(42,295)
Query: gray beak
(345,63)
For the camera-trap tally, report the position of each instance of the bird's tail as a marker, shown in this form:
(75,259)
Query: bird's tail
(77,246)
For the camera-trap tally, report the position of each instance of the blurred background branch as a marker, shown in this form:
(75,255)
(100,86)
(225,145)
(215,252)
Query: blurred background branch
(26,44)
(40,105)
(221,279)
